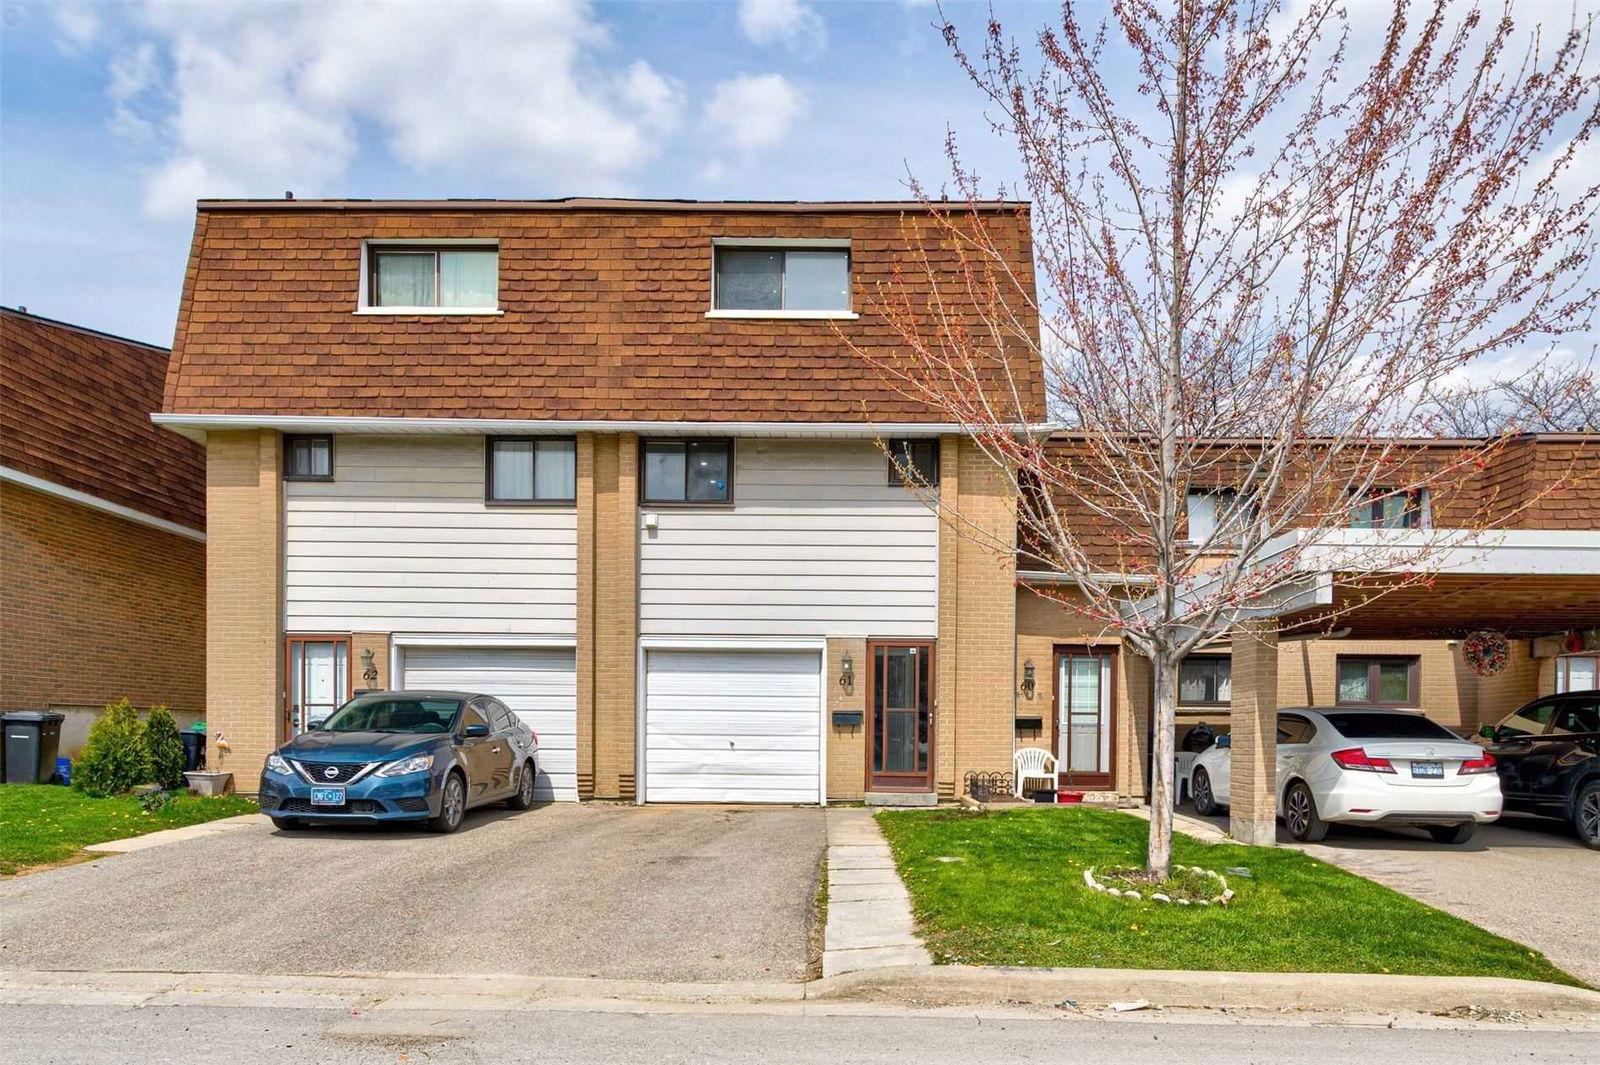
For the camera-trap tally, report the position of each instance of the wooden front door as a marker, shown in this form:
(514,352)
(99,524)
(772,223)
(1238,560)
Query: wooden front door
(900,702)
(1086,716)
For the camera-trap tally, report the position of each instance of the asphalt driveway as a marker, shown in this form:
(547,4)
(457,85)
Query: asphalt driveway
(654,892)
(1525,878)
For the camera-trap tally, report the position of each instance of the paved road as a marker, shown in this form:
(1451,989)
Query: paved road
(1527,878)
(655,892)
(105,1035)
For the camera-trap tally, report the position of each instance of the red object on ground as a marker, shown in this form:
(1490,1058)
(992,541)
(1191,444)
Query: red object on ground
(1069,796)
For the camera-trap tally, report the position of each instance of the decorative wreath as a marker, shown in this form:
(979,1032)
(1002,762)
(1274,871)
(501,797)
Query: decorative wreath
(1486,652)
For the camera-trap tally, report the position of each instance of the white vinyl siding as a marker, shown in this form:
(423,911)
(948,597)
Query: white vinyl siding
(816,543)
(401,541)
(539,684)
(733,726)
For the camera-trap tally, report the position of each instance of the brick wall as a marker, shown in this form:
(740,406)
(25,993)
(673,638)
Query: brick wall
(94,607)
(1253,727)
(847,745)
(244,598)
(584,663)
(378,644)
(616,616)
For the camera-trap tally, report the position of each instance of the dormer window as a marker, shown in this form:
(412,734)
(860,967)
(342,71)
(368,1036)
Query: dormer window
(432,279)
(790,280)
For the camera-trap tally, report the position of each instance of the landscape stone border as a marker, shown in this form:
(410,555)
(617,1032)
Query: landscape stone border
(1222,899)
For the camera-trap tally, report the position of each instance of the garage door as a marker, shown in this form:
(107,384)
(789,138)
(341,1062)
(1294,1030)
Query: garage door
(539,684)
(732,726)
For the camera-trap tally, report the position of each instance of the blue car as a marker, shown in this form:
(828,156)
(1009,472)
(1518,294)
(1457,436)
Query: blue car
(403,756)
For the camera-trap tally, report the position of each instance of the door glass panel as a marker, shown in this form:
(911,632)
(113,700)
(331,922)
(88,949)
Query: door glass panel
(900,743)
(901,710)
(319,673)
(1085,737)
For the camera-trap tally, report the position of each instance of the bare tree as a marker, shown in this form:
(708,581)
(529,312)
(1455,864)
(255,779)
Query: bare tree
(1550,398)
(1257,253)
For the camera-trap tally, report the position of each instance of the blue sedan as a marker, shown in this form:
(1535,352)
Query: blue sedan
(403,756)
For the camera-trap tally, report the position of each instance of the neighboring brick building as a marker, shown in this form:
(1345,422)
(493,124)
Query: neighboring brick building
(102,517)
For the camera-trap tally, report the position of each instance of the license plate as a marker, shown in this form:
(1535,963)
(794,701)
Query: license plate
(327,796)
(1431,770)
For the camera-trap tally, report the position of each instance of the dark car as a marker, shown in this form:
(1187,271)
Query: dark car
(403,756)
(1548,757)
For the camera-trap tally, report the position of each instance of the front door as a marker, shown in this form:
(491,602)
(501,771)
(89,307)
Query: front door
(1085,717)
(900,694)
(318,681)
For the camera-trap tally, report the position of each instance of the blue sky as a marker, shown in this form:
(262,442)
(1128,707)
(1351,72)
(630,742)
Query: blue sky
(117,115)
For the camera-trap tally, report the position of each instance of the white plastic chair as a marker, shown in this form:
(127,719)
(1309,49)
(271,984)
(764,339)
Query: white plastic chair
(1031,762)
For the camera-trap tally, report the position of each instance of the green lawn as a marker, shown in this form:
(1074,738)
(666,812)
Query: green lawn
(1017,897)
(42,823)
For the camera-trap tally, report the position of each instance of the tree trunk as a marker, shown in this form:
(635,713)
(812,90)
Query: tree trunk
(1158,861)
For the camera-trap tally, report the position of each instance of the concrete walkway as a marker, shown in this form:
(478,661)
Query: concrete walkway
(869,911)
(177,835)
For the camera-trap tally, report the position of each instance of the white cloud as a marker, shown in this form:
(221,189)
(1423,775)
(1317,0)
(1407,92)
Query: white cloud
(77,26)
(788,22)
(753,111)
(264,98)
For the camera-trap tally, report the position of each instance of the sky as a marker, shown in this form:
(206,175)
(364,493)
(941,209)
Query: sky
(116,115)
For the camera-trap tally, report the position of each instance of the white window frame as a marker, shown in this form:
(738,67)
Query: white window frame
(779,244)
(364,296)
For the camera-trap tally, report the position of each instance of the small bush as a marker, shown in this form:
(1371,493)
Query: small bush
(114,758)
(156,801)
(164,748)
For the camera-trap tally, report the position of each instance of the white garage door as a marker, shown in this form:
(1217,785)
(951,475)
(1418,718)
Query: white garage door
(539,684)
(732,726)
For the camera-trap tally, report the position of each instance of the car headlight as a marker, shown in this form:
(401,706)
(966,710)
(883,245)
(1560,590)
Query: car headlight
(278,764)
(417,763)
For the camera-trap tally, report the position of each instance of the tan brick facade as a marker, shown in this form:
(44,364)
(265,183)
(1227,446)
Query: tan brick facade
(244,599)
(96,608)
(613,691)
(847,744)
(1253,721)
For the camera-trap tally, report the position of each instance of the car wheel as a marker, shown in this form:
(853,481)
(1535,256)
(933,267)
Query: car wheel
(288,824)
(1451,833)
(1300,814)
(524,796)
(1205,800)
(452,805)
(1586,814)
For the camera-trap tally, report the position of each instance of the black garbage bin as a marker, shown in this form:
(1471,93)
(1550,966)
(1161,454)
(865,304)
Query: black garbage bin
(32,738)
(194,751)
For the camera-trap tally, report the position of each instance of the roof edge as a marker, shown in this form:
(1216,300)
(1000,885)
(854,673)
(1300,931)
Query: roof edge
(87,330)
(600,203)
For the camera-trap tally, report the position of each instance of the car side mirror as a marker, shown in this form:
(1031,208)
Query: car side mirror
(1224,741)
(474,732)
(1487,732)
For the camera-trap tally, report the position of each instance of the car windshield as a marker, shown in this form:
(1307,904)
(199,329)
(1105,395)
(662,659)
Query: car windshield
(1371,726)
(386,713)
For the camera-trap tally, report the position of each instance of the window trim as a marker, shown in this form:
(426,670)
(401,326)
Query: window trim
(1413,680)
(489,499)
(896,443)
(365,288)
(290,439)
(784,244)
(1210,657)
(646,501)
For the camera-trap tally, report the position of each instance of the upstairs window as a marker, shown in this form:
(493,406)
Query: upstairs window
(308,458)
(1388,509)
(801,280)
(529,470)
(914,461)
(687,471)
(422,277)
(1219,512)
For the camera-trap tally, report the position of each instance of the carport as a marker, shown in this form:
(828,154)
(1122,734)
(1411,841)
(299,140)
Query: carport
(1524,583)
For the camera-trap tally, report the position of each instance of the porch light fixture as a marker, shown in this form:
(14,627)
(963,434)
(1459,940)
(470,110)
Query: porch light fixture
(369,669)
(1028,682)
(847,673)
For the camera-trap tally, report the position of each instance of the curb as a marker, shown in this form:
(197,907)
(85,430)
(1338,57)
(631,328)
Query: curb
(1336,992)
(129,844)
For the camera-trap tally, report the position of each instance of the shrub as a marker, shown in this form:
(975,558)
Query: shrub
(114,758)
(164,748)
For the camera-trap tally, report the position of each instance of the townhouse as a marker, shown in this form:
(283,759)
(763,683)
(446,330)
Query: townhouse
(612,461)
(617,463)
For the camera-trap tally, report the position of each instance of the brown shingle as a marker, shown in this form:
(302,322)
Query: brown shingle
(77,407)
(604,316)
